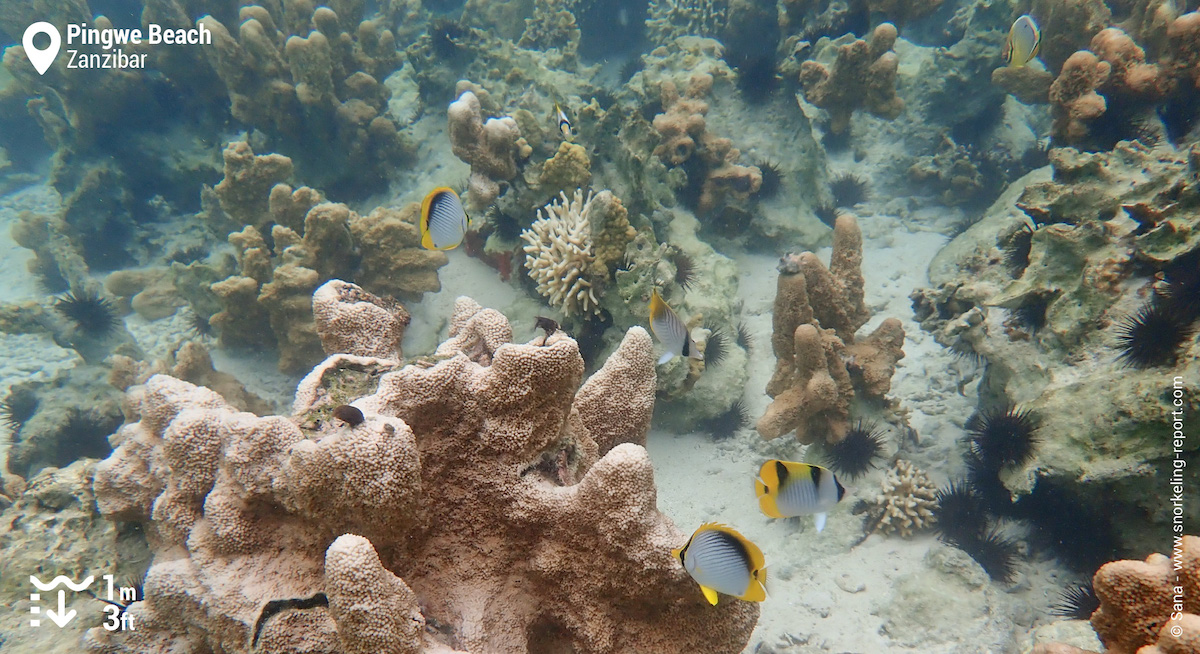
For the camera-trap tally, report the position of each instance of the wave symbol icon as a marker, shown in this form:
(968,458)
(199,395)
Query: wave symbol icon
(61,579)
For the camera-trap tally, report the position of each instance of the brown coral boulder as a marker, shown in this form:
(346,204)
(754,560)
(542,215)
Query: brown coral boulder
(1137,599)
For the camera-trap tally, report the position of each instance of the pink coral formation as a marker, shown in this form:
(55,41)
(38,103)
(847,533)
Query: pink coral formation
(863,76)
(449,520)
(352,321)
(1073,95)
(817,312)
(1147,607)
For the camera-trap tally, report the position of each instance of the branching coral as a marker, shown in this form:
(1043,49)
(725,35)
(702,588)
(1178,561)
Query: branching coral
(863,76)
(387,518)
(818,365)
(906,500)
(572,247)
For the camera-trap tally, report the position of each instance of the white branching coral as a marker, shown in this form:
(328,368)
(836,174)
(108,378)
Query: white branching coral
(559,253)
(906,500)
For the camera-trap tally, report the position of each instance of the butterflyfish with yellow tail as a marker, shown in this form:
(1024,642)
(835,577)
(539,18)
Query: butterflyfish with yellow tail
(1024,41)
(787,489)
(671,331)
(443,220)
(723,561)
(564,124)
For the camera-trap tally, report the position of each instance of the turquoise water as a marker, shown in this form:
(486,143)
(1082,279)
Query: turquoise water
(265,388)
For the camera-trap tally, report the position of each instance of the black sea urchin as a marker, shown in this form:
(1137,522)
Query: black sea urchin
(685,270)
(716,348)
(85,434)
(199,325)
(1002,438)
(17,408)
(1079,534)
(756,75)
(855,454)
(848,189)
(993,551)
(91,313)
(826,213)
(724,425)
(632,66)
(1181,291)
(1153,336)
(772,179)
(744,337)
(1077,602)
(1017,248)
(960,512)
(1031,313)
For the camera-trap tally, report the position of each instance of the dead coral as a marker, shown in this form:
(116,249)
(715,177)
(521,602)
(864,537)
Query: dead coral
(863,77)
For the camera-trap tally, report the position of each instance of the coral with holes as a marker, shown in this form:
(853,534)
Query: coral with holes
(905,502)
(819,364)
(353,321)
(573,246)
(311,241)
(863,76)
(484,443)
(1146,607)
(318,95)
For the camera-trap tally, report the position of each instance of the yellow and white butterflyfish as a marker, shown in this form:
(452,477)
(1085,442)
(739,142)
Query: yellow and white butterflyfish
(443,220)
(564,123)
(787,489)
(671,331)
(723,561)
(1023,42)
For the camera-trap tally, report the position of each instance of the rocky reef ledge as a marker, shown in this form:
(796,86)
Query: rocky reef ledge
(479,500)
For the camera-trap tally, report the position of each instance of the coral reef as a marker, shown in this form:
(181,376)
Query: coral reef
(1147,607)
(667,20)
(573,246)
(906,501)
(819,364)
(352,321)
(484,443)
(492,148)
(862,76)
(190,362)
(1073,95)
(318,95)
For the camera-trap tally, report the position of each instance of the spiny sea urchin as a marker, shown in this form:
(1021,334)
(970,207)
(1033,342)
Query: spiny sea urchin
(92,314)
(18,407)
(855,454)
(848,189)
(757,75)
(772,179)
(744,337)
(1017,248)
(1031,313)
(1080,534)
(1153,336)
(1077,602)
(725,424)
(1002,438)
(993,551)
(826,213)
(716,348)
(685,270)
(960,511)
(199,325)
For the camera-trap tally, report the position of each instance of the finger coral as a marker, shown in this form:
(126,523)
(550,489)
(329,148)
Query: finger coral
(906,501)
(863,76)
(817,312)
(467,512)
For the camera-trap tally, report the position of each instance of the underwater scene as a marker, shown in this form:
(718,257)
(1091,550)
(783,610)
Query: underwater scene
(599,326)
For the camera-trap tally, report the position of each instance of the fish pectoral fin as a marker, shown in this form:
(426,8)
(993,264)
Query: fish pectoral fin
(820,520)
(667,356)
(709,594)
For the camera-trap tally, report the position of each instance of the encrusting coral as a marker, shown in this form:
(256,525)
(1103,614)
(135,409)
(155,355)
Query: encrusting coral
(863,76)
(450,519)
(1147,607)
(1073,96)
(572,247)
(906,500)
(352,321)
(816,314)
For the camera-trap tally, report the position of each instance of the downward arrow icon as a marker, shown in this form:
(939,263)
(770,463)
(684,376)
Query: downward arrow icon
(62,617)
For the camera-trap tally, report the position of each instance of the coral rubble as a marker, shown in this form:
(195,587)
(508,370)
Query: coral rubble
(454,515)
(817,313)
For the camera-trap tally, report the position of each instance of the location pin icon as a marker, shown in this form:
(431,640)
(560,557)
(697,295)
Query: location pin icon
(41,59)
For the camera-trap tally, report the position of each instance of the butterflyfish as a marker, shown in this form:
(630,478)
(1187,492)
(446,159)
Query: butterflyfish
(443,220)
(723,561)
(564,123)
(787,489)
(1024,40)
(671,331)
